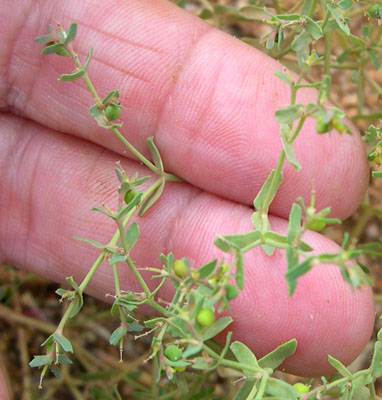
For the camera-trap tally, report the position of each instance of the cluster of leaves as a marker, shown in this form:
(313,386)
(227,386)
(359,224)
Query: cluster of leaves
(182,333)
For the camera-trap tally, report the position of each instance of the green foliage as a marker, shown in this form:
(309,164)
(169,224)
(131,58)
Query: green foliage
(183,328)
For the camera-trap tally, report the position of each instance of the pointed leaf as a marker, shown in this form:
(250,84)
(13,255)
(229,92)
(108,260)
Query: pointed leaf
(155,153)
(339,367)
(90,241)
(71,33)
(39,361)
(294,226)
(376,362)
(79,73)
(217,327)
(242,240)
(239,275)
(64,359)
(280,389)
(341,22)
(288,147)
(132,235)
(63,342)
(116,335)
(152,199)
(207,269)
(288,114)
(278,355)
(244,355)
(313,28)
(53,48)
(271,185)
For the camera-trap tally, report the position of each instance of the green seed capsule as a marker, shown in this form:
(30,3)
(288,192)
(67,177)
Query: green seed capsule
(301,388)
(130,195)
(231,292)
(113,111)
(205,317)
(180,268)
(321,126)
(173,352)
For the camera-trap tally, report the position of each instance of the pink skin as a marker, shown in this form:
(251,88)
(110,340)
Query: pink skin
(209,101)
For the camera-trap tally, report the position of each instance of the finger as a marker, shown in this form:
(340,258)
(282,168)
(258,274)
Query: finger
(50,182)
(208,99)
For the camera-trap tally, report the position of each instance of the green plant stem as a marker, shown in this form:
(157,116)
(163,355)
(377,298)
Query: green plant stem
(116,132)
(234,364)
(92,270)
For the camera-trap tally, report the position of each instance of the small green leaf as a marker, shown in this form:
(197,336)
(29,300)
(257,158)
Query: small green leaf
(242,240)
(64,359)
(244,355)
(77,305)
(117,258)
(341,22)
(79,73)
(222,244)
(71,33)
(112,94)
(339,367)
(39,361)
(63,342)
(55,371)
(90,241)
(47,341)
(44,39)
(192,350)
(150,201)
(72,283)
(294,226)
(280,389)
(376,362)
(132,235)
(117,335)
(288,114)
(278,355)
(135,327)
(253,13)
(52,49)
(206,270)
(283,77)
(239,274)
(313,28)
(376,174)
(95,112)
(295,272)
(218,326)
(288,147)
(245,389)
(155,153)
(271,185)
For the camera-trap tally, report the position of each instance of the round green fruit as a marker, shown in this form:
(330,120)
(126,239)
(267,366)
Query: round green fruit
(180,268)
(322,126)
(173,352)
(130,195)
(231,292)
(113,111)
(205,317)
(301,388)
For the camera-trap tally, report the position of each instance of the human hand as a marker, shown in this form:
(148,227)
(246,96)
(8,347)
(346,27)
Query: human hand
(209,101)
